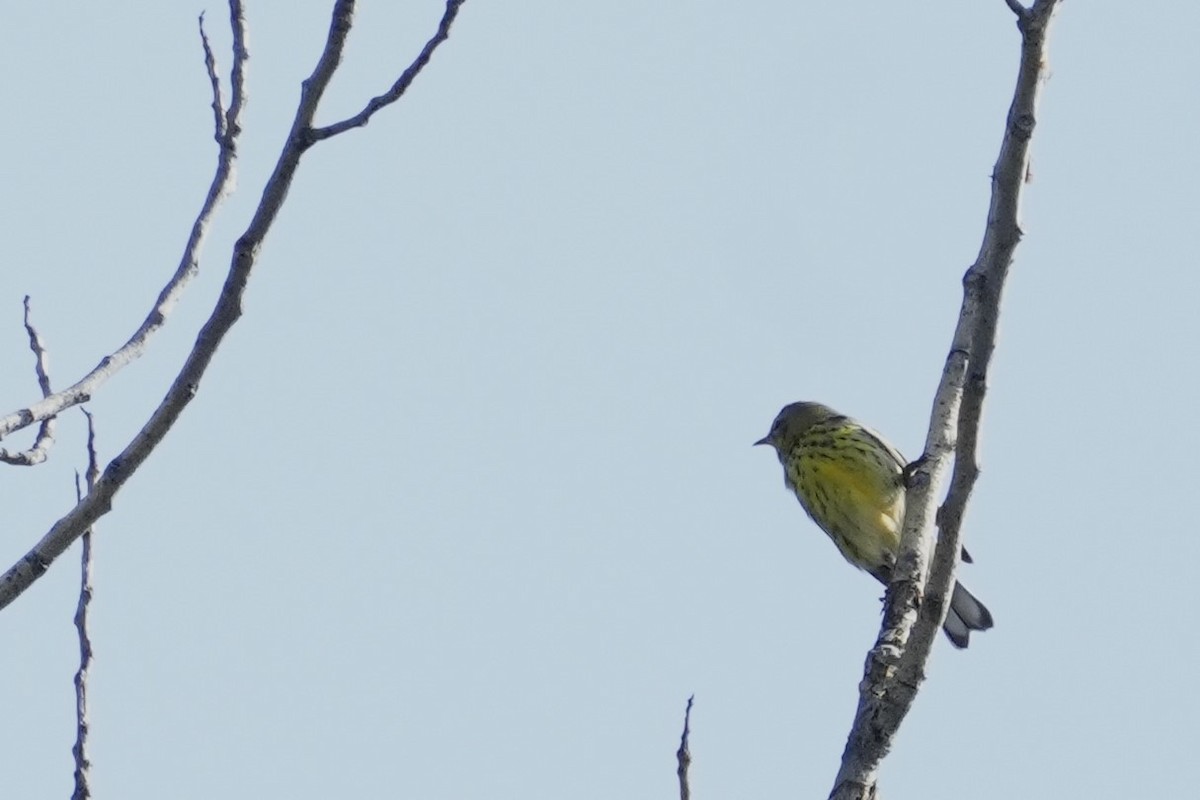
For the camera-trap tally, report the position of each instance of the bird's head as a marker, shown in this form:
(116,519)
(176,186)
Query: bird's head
(792,422)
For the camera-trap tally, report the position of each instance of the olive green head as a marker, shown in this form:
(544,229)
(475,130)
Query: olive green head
(794,420)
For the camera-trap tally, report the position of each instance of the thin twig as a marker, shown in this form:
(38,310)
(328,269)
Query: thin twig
(225,313)
(83,763)
(683,756)
(45,435)
(189,264)
(237,75)
(1021,11)
(402,83)
(210,66)
(895,667)
(39,352)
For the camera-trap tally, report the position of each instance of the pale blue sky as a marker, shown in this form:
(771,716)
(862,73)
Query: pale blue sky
(467,507)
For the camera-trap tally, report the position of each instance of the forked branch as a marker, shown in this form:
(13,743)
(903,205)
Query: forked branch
(225,313)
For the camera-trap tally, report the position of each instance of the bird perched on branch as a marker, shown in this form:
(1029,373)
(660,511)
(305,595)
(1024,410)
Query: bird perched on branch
(851,482)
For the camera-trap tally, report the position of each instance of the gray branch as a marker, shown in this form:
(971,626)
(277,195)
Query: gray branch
(983,286)
(915,608)
(83,764)
(210,66)
(40,449)
(225,313)
(683,756)
(226,132)
(402,83)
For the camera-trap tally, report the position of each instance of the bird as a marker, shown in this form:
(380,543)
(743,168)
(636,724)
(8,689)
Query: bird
(851,482)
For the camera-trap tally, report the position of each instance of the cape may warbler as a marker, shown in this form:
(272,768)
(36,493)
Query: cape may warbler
(851,482)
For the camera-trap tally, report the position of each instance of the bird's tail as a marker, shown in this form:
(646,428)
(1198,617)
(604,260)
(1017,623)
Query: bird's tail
(966,614)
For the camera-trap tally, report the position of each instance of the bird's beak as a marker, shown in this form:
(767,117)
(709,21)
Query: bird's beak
(765,440)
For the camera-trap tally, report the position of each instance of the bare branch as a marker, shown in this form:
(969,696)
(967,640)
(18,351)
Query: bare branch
(98,500)
(45,436)
(402,83)
(1021,11)
(237,76)
(189,264)
(39,352)
(210,66)
(83,764)
(683,756)
(983,285)
(225,313)
(894,675)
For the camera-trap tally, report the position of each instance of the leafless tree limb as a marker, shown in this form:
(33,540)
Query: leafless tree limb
(226,133)
(39,352)
(226,312)
(683,756)
(1021,11)
(83,763)
(402,83)
(237,76)
(895,666)
(45,435)
(983,285)
(210,66)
